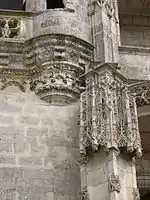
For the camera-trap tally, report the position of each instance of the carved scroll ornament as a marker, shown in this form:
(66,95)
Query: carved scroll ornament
(108,116)
(114,183)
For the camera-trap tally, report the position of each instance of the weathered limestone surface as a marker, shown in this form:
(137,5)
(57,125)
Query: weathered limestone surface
(39,152)
(108,124)
(49,58)
(105,31)
(97,175)
(131,61)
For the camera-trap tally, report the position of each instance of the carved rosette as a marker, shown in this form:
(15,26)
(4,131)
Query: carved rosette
(114,183)
(108,116)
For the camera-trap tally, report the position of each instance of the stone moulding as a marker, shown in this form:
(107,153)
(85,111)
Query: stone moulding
(108,115)
(52,65)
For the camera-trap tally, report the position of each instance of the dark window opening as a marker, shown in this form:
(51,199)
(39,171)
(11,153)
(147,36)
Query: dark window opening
(24,5)
(52,4)
(12,4)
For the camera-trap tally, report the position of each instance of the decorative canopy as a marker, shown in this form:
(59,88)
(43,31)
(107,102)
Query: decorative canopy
(108,116)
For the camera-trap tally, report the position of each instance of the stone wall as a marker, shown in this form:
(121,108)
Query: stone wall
(143,172)
(135,30)
(99,177)
(134,62)
(127,174)
(96,177)
(38,149)
(135,36)
(71,22)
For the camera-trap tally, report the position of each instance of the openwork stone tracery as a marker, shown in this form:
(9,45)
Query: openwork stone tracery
(9,27)
(108,114)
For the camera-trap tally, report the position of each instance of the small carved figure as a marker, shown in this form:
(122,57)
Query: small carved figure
(114,183)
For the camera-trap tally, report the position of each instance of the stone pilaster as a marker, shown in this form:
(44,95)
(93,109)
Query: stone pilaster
(105,31)
(109,135)
(35,6)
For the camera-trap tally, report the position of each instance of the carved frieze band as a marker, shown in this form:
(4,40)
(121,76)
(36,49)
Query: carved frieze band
(114,183)
(51,67)
(108,117)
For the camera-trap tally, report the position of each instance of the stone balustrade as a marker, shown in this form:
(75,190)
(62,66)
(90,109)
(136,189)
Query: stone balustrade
(10,27)
(16,25)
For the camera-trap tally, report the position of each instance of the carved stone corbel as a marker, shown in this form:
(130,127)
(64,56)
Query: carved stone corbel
(52,67)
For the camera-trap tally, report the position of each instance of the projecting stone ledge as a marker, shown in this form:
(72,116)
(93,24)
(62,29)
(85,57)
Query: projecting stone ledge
(52,68)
